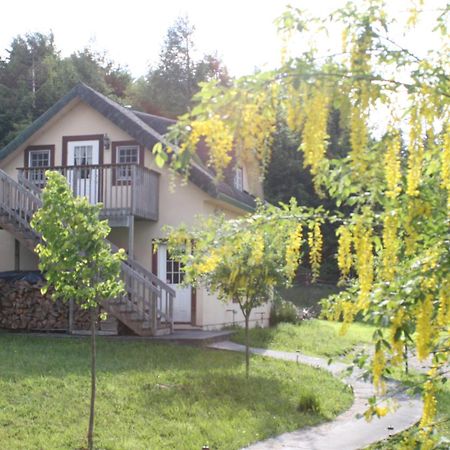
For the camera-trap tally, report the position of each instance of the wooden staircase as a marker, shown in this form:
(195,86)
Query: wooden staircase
(147,305)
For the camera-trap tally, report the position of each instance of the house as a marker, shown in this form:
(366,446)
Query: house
(105,152)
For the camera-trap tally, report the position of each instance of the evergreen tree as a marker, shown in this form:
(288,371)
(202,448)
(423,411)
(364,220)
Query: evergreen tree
(34,76)
(22,75)
(168,87)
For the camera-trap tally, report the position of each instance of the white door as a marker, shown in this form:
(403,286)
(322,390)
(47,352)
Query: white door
(84,181)
(171,272)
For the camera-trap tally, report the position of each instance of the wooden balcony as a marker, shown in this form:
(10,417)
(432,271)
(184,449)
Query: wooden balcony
(124,189)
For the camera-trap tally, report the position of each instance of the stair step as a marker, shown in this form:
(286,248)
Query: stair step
(125,307)
(135,317)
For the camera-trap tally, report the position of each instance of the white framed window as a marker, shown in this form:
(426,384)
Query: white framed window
(126,154)
(38,162)
(82,156)
(174,271)
(239,178)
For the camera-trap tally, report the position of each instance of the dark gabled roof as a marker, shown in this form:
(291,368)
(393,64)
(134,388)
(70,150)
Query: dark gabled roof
(147,129)
(159,123)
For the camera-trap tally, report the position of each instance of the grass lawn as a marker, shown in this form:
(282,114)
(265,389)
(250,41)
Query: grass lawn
(321,338)
(312,337)
(153,396)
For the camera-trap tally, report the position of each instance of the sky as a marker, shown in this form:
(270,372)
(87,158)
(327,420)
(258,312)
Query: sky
(132,31)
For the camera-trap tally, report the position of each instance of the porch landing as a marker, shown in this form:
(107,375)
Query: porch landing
(193,337)
(188,337)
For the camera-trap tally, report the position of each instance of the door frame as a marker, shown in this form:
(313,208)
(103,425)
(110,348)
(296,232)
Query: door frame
(86,137)
(155,270)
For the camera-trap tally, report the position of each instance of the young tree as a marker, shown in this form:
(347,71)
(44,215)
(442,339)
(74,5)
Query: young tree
(393,247)
(242,260)
(76,259)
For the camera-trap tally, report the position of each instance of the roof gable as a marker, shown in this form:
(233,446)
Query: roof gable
(147,129)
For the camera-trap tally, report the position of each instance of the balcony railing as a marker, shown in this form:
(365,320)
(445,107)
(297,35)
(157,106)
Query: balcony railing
(123,189)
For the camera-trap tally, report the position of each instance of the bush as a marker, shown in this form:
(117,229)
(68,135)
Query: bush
(283,311)
(308,403)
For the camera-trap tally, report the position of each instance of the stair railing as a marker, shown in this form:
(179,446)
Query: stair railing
(152,298)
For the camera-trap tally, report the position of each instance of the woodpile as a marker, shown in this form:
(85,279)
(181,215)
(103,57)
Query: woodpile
(24,307)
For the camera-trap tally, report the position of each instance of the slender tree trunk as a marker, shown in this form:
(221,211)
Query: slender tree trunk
(247,346)
(90,435)
(405,354)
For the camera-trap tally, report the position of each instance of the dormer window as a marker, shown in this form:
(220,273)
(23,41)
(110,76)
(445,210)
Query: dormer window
(239,178)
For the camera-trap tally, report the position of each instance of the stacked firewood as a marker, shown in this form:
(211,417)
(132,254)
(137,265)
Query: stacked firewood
(24,307)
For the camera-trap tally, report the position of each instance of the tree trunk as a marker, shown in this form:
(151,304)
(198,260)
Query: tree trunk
(405,355)
(90,435)
(247,347)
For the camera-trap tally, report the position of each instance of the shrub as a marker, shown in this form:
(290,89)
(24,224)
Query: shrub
(283,311)
(308,403)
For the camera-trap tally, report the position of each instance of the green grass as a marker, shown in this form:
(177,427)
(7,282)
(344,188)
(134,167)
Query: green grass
(153,396)
(313,337)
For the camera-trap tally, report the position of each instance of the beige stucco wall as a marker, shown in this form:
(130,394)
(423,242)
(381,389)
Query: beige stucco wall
(179,202)
(27,259)
(6,251)
(77,118)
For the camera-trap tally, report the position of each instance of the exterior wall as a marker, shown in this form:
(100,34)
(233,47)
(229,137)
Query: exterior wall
(215,314)
(77,119)
(6,251)
(179,202)
(27,259)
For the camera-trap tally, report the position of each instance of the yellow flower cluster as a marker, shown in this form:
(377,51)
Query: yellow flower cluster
(293,251)
(390,246)
(360,63)
(378,363)
(392,167)
(219,139)
(348,314)
(413,13)
(314,137)
(295,107)
(443,318)
(445,168)
(315,242)
(209,263)
(257,250)
(364,262)
(381,411)
(256,125)
(411,238)
(424,327)
(358,138)
(429,404)
(344,256)
(397,344)
(415,152)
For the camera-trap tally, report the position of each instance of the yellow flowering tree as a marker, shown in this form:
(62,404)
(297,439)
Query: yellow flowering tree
(394,180)
(244,259)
